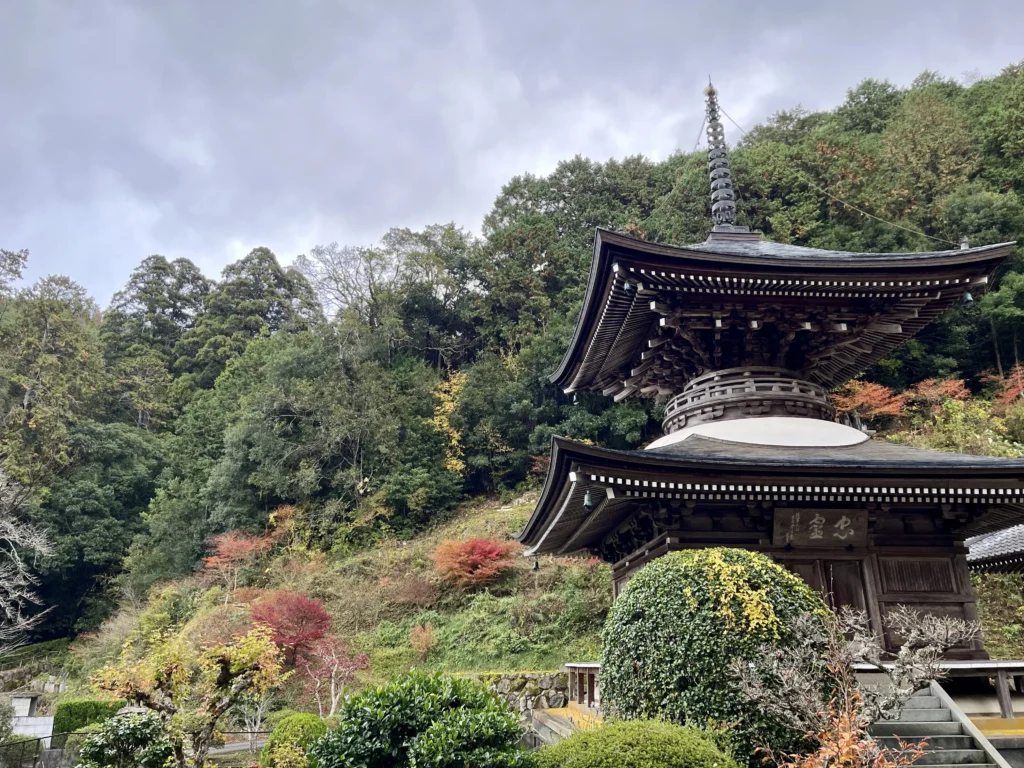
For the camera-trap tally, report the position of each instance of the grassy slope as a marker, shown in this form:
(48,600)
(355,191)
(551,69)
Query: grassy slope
(528,621)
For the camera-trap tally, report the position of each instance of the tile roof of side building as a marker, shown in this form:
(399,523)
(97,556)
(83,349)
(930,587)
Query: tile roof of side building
(999,550)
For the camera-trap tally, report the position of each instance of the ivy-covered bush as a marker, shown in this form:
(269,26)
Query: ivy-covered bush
(671,636)
(127,741)
(295,734)
(72,714)
(636,744)
(421,719)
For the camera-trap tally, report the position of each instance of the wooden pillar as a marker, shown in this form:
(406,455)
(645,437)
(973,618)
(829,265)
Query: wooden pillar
(1003,694)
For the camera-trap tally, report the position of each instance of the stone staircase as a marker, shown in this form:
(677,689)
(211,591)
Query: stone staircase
(928,716)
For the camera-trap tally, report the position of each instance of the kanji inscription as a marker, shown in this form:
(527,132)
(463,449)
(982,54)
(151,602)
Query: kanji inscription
(811,528)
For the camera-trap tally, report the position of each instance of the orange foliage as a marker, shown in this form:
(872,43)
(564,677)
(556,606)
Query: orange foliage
(421,638)
(934,392)
(231,551)
(848,745)
(281,523)
(1011,387)
(474,563)
(868,400)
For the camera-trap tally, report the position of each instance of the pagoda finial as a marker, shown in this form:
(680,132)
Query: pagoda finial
(723,197)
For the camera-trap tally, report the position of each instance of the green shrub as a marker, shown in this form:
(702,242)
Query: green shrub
(390,635)
(72,714)
(26,654)
(295,731)
(635,744)
(672,635)
(127,741)
(424,719)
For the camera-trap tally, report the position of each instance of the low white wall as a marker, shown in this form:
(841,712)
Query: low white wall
(37,727)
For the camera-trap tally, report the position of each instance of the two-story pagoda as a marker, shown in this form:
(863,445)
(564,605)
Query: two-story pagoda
(744,338)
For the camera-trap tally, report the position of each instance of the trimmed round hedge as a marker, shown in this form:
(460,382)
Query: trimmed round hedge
(635,744)
(420,720)
(295,731)
(673,633)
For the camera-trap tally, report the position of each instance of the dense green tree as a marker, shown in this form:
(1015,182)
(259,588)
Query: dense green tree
(256,295)
(91,512)
(52,368)
(160,302)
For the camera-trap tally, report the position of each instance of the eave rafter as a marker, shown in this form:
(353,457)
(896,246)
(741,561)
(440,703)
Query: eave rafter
(661,328)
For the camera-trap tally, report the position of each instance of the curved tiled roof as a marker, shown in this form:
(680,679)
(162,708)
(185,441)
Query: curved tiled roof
(1000,550)
(874,469)
(766,248)
(629,276)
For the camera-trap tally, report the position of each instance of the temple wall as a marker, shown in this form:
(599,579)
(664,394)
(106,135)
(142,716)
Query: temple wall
(908,557)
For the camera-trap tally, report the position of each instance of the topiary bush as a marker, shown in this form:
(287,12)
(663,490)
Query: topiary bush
(635,744)
(419,720)
(672,634)
(295,733)
(72,714)
(127,741)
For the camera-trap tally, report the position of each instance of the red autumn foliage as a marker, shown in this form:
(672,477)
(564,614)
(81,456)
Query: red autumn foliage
(869,400)
(231,551)
(934,392)
(474,563)
(539,465)
(296,621)
(1011,386)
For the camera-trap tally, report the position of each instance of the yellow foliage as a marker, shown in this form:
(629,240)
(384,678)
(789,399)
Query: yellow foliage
(447,393)
(733,587)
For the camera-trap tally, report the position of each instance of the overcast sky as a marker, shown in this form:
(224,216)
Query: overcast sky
(203,128)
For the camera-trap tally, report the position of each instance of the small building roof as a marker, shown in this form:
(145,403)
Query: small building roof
(835,312)
(703,468)
(997,551)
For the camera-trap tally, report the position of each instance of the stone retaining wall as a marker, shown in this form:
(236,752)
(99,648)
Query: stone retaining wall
(527,691)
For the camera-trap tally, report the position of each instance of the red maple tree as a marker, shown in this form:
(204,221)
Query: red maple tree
(472,563)
(230,552)
(296,621)
(328,668)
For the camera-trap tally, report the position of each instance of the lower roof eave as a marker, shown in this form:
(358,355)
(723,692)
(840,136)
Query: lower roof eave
(909,466)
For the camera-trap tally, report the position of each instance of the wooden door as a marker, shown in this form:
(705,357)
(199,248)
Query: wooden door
(840,582)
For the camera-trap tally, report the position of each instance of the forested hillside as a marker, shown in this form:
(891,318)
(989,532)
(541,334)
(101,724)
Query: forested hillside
(362,392)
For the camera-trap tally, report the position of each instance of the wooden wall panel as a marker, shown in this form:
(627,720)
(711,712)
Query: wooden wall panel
(928,575)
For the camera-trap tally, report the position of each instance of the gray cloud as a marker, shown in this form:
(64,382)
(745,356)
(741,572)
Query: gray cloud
(202,129)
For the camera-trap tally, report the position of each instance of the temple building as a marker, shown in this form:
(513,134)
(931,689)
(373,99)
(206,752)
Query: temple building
(743,339)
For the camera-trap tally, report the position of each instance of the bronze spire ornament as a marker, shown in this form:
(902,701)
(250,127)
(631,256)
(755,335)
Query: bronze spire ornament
(723,197)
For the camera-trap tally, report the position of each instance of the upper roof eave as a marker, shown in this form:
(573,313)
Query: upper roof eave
(828,260)
(740,253)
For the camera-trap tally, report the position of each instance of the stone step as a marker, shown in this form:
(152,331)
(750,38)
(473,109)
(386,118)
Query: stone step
(922,702)
(923,716)
(962,765)
(934,742)
(552,728)
(905,729)
(951,757)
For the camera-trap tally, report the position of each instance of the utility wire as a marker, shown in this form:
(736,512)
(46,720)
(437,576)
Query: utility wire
(700,133)
(821,189)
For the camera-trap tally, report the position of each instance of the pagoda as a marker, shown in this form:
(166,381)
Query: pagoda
(742,339)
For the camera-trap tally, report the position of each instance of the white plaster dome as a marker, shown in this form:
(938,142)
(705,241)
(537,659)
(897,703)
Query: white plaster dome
(789,431)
